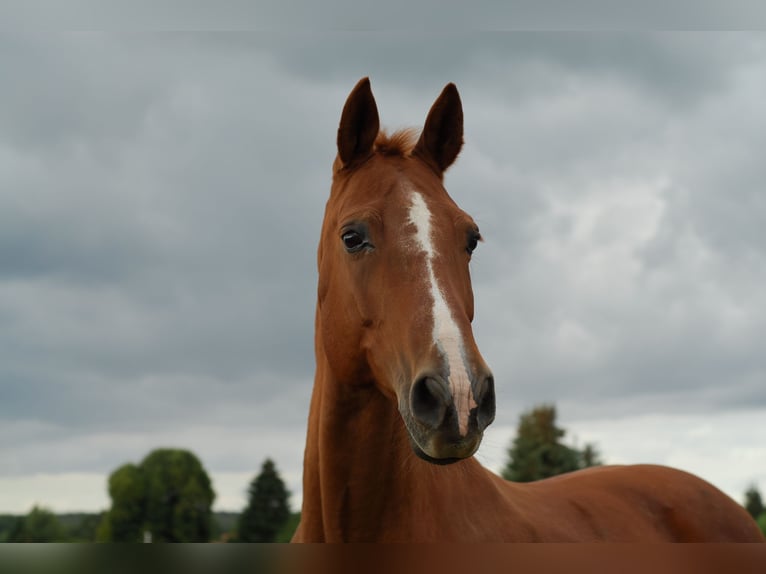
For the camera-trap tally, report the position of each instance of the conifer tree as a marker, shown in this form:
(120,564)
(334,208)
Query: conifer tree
(754,502)
(538,452)
(267,509)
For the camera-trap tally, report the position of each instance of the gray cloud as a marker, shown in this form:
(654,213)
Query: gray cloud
(161,197)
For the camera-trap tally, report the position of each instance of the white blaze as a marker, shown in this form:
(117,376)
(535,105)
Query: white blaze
(446,334)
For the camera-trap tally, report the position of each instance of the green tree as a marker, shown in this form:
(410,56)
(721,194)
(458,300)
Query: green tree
(80,526)
(168,495)
(40,525)
(7,523)
(590,456)
(762,523)
(285,533)
(268,508)
(754,502)
(127,515)
(537,451)
(179,497)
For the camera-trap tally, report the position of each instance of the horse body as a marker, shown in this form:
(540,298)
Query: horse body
(363,485)
(402,395)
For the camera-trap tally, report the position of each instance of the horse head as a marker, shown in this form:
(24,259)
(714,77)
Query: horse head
(395,295)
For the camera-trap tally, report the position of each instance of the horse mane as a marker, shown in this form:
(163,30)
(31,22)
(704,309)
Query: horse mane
(399,143)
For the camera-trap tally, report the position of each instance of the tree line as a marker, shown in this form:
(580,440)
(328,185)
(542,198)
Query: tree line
(168,496)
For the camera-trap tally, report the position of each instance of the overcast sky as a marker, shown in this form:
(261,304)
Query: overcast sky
(160,203)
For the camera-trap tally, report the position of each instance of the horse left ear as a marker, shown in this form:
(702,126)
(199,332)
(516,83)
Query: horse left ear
(359,125)
(442,136)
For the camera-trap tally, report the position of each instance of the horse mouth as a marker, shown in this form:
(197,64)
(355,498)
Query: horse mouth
(453,451)
(440,461)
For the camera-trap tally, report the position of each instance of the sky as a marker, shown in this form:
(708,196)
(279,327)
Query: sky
(161,196)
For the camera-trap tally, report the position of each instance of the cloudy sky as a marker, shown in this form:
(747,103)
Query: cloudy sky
(160,202)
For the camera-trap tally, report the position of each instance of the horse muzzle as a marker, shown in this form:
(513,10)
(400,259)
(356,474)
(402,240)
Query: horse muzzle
(445,428)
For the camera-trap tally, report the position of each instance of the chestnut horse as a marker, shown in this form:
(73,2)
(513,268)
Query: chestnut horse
(402,395)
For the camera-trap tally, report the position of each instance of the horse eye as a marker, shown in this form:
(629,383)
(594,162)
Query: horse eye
(473,242)
(353,241)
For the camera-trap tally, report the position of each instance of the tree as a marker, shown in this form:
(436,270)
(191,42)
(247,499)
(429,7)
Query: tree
(7,523)
(762,523)
(267,509)
(168,495)
(288,529)
(40,525)
(81,527)
(179,497)
(753,502)
(590,456)
(128,513)
(537,451)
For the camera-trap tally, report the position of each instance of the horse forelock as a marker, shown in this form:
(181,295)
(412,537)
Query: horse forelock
(399,143)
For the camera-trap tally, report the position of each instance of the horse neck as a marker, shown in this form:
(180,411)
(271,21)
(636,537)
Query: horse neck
(351,449)
(361,479)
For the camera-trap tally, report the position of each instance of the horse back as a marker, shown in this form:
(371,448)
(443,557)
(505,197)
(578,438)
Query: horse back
(635,504)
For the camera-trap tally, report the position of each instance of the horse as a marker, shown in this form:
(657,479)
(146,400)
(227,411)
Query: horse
(402,395)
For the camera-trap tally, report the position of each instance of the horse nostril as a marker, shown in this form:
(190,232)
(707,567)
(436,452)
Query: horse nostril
(429,400)
(485,399)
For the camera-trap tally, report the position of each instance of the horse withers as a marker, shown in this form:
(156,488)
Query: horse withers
(402,394)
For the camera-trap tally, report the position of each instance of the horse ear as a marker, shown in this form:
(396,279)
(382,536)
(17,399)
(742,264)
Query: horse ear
(359,124)
(442,135)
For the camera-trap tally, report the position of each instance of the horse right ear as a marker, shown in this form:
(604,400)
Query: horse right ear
(442,136)
(359,125)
